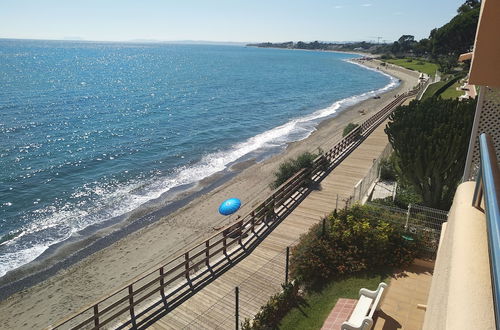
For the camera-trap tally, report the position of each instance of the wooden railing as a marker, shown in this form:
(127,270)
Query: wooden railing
(152,295)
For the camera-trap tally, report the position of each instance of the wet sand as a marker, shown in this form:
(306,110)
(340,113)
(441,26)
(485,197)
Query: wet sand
(105,270)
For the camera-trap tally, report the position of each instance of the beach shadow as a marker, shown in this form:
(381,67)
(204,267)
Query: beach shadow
(389,322)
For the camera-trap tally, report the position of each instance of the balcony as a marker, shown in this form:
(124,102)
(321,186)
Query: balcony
(465,288)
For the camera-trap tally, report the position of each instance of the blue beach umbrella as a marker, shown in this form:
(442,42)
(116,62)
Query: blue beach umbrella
(229,206)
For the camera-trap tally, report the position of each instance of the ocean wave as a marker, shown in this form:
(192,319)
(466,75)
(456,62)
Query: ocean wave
(53,227)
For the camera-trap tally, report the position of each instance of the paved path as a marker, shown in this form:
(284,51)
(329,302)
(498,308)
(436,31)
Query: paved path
(406,290)
(398,310)
(339,314)
(260,274)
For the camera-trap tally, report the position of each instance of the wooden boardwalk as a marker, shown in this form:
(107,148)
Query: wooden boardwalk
(195,288)
(260,274)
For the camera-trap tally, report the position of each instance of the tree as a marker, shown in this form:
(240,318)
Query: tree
(430,139)
(422,47)
(457,36)
(406,42)
(447,63)
(406,39)
(468,5)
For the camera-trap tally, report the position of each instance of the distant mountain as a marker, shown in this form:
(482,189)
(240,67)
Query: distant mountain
(190,42)
(73,38)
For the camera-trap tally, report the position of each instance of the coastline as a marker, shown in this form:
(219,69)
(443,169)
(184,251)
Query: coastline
(359,53)
(83,282)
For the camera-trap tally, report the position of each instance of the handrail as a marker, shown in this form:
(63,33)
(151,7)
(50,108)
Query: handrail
(181,275)
(488,188)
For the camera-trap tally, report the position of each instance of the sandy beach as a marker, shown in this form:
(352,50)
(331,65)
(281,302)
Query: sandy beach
(104,271)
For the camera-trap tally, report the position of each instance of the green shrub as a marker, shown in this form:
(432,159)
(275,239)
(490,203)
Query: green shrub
(406,194)
(289,167)
(275,309)
(356,239)
(387,170)
(387,201)
(349,128)
(409,60)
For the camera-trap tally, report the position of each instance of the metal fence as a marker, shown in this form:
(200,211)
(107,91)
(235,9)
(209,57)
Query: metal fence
(365,185)
(245,300)
(416,219)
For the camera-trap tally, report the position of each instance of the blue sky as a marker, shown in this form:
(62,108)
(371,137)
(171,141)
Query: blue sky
(223,20)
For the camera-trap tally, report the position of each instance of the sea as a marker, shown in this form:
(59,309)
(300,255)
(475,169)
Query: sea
(91,131)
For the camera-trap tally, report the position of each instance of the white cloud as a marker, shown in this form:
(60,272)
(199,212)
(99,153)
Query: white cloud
(338,7)
(366,5)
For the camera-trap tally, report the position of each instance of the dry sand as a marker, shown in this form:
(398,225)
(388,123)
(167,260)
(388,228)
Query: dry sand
(108,269)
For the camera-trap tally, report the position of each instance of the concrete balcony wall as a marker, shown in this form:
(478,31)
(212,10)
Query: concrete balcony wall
(460,296)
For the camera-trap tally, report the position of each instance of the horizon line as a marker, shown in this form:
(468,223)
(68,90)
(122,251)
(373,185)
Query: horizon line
(139,40)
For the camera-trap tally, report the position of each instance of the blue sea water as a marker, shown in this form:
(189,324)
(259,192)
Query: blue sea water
(90,131)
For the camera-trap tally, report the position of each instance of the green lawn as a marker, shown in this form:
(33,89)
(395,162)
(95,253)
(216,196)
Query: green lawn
(451,92)
(431,90)
(313,313)
(415,64)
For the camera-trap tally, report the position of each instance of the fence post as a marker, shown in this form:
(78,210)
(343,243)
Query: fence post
(96,316)
(224,243)
(186,265)
(287,260)
(407,216)
(237,307)
(162,289)
(131,304)
(360,190)
(207,253)
(394,191)
(240,231)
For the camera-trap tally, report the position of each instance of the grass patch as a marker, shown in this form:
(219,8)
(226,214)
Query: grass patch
(451,92)
(416,65)
(446,85)
(432,89)
(318,305)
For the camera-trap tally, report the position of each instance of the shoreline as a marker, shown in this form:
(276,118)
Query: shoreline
(71,286)
(100,235)
(359,53)
(180,182)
